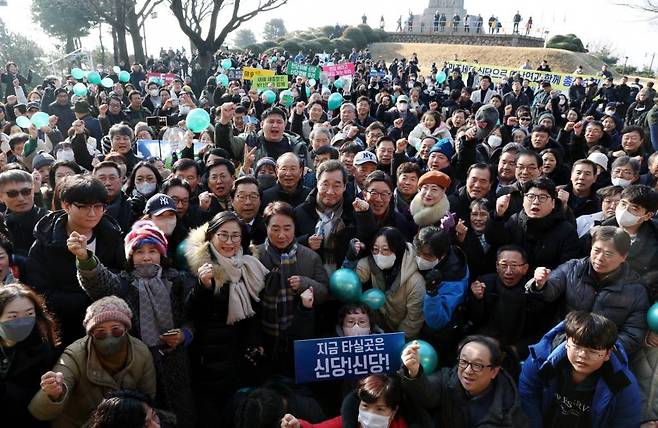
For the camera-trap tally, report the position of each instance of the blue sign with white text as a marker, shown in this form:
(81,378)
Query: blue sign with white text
(347,357)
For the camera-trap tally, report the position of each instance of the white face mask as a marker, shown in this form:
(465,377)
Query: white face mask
(403,106)
(384,262)
(184,110)
(610,112)
(424,264)
(372,420)
(66,155)
(621,182)
(154,92)
(167,225)
(494,141)
(356,330)
(145,188)
(626,218)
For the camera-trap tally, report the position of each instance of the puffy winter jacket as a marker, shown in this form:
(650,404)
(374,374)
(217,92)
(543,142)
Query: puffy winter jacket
(616,401)
(645,367)
(620,297)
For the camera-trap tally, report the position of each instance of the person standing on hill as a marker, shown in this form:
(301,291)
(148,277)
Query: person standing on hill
(517,21)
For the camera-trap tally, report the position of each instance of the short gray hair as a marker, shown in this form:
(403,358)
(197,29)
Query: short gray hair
(15,176)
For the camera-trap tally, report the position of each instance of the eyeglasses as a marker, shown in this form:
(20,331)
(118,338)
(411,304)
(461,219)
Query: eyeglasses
(26,191)
(476,367)
(382,195)
(225,237)
(524,119)
(102,334)
(88,208)
(541,198)
(622,173)
(587,352)
(180,201)
(505,266)
(244,197)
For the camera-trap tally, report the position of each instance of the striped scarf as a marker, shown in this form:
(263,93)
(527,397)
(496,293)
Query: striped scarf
(278,299)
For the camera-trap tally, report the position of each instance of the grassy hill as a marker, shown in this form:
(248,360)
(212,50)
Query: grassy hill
(559,60)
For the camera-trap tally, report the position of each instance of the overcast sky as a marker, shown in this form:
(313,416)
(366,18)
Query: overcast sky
(595,22)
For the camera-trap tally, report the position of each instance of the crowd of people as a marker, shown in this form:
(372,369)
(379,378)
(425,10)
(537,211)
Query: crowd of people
(509,225)
(458,24)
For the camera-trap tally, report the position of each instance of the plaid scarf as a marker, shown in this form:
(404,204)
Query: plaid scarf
(278,299)
(330,223)
(155,316)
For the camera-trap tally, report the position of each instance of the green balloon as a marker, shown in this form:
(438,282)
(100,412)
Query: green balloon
(124,76)
(339,83)
(226,63)
(222,79)
(40,119)
(374,298)
(345,285)
(269,96)
(286,98)
(180,259)
(80,89)
(94,77)
(441,77)
(116,69)
(23,122)
(77,73)
(107,82)
(197,120)
(426,354)
(335,100)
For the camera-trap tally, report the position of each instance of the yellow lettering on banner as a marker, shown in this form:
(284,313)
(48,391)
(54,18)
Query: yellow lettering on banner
(559,81)
(249,72)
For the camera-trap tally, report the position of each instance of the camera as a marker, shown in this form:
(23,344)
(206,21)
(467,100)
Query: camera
(157,122)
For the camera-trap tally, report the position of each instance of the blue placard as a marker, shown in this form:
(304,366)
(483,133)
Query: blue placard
(377,73)
(347,357)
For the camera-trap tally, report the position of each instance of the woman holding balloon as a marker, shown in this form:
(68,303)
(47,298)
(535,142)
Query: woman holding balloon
(391,268)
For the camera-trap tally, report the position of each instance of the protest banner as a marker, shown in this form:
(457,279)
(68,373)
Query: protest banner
(346,69)
(305,70)
(249,72)
(234,74)
(167,78)
(347,357)
(559,81)
(376,73)
(278,81)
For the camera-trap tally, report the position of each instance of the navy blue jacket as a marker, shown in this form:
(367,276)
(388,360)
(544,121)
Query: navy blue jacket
(616,401)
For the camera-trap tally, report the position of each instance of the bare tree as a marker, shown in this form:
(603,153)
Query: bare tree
(650,6)
(194,15)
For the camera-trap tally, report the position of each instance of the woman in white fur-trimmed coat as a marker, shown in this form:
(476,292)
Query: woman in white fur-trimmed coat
(430,206)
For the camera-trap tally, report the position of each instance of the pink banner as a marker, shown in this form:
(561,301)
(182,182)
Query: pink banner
(346,69)
(167,78)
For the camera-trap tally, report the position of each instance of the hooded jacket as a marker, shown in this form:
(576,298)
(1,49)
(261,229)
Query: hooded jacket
(51,268)
(616,401)
(620,297)
(645,366)
(403,310)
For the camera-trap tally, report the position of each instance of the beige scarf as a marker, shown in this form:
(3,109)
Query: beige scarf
(246,278)
(426,216)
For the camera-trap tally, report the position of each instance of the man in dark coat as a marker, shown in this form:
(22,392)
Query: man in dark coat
(288,187)
(61,108)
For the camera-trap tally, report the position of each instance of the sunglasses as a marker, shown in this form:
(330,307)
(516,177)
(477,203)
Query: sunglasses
(27,191)
(102,334)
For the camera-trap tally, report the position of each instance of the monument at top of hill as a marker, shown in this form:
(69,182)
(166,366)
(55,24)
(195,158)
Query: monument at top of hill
(423,22)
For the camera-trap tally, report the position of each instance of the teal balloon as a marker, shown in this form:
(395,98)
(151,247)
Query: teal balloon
(286,98)
(270,96)
(197,120)
(441,77)
(311,82)
(339,83)
(94,77)
(80,89)
(116,69)
(308,91)
(222,79)
(40,119)
(180,259)
(124,76)
(345,285)
(226,63)
(77,73)
(335,100)
(374,298)
(23,122)
(426,354)
(652,318)
(107,82)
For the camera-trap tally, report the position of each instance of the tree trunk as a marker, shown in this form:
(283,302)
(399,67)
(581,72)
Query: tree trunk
(115,46)
(69,44)
(138,48)
(204,57)
(100,39)
(120,28)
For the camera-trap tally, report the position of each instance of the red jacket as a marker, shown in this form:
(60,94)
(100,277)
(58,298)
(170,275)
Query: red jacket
(337,422)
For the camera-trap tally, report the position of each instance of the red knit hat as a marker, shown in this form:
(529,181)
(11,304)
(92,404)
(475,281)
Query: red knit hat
(110,308)
(434,177)
(145,232)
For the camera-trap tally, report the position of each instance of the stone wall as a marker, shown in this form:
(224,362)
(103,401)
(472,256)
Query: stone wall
(467,39)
